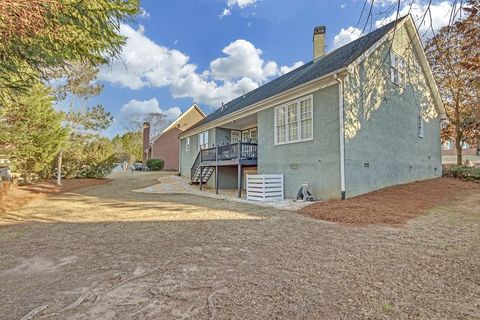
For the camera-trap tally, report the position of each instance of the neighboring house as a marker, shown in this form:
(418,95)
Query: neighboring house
(165,145)
(360,118)
(448,149)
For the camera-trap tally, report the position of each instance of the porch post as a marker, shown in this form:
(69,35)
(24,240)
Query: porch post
(239,179)
(216,179)
(201,168)
(216,170)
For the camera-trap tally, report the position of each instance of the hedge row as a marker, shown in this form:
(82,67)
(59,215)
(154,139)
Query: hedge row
(465,173)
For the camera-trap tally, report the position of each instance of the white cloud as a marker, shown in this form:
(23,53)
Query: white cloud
(385,3)
(242,60)
(287,69)
(439,17)
(345,36)
(144,63)
(137,109)
(440,14)
(225,12)
(142,107)
(241,3)
(144,13)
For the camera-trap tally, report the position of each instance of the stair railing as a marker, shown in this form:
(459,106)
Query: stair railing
(193,170)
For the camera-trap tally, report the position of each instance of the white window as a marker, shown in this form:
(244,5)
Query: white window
(249,135)
(420,126)
(187,144)
(245,136)
(253,135)
(397,69)
(294,121)
(234,136)
(203,140)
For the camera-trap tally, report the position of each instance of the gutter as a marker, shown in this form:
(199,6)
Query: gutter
(257,106)
(341,112)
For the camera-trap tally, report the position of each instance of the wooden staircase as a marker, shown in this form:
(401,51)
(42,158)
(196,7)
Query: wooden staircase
(195,172)
(207,173)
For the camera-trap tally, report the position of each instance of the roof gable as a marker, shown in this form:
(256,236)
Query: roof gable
(175,124)
(331,62)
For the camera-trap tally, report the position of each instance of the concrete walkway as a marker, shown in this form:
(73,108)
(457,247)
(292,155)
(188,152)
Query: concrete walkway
(170,183)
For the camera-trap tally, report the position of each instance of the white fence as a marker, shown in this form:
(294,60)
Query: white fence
(265,187)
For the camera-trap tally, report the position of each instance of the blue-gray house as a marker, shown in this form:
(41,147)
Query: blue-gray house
(362,117)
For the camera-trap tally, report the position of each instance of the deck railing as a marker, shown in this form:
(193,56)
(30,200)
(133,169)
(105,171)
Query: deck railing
(240,150)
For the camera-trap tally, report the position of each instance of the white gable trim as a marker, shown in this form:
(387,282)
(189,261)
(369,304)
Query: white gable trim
(174,123)
(427,70)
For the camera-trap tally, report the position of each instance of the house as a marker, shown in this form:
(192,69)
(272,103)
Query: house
(165,145)
(362,117)
(448,149)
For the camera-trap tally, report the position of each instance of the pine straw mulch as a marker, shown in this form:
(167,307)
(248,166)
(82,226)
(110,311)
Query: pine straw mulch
(391,206)
(17,197)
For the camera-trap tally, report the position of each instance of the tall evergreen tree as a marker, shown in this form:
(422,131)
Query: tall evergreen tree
(41,35)
(31,131)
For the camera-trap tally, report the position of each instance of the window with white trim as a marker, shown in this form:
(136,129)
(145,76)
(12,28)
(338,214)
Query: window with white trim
(234,136)
(253,135)
(294,121)
(203,140)
(187,144)
(397,69)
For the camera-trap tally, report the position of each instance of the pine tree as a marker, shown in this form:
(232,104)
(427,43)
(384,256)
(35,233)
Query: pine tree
(39,36)
(31,131)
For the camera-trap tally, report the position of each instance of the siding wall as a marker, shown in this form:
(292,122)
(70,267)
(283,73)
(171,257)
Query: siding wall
(216,136)
(381,124)
(316,161)
(165,147)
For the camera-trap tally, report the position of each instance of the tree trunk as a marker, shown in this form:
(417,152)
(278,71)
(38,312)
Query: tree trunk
(458,147)
(59,168)
(458,133)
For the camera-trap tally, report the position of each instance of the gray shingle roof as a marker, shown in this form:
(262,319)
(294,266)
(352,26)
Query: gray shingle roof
(335,60)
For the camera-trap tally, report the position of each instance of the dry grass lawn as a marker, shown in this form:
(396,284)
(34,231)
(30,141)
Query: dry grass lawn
(108,253)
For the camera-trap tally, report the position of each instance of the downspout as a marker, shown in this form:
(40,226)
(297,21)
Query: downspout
(180,150)
(341,112)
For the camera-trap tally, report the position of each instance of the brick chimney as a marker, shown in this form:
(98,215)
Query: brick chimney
(146,140)
(318,42)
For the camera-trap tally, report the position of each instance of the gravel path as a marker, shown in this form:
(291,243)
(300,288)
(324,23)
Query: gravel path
(109,253)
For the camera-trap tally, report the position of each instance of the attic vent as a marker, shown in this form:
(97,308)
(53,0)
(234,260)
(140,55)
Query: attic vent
(366,165)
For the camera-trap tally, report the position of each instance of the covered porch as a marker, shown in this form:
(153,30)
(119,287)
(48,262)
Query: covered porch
(233,151)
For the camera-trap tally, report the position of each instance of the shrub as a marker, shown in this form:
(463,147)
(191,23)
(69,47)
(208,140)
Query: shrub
(465,173)
(155,164)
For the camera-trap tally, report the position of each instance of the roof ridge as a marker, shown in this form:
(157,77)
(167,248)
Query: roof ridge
(313,69)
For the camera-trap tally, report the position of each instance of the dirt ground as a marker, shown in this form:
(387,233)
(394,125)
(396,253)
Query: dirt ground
(19,196)
(395,205)
(108,253)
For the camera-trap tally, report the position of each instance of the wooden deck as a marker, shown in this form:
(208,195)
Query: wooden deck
(237,154)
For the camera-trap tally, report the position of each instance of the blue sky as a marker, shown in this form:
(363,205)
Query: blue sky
(209,51)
